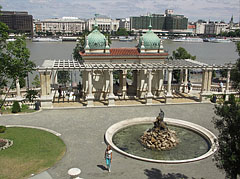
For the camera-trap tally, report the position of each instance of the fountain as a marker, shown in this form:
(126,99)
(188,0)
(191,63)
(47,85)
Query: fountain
(159,137)
(161,140)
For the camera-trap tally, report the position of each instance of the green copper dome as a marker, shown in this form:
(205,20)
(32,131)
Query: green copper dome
(96,40)
(150,40)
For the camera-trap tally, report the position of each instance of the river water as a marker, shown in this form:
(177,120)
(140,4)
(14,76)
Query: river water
(211,53)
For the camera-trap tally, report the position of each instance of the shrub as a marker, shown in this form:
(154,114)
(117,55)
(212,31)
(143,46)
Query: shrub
(24,107)
(16,107)
(2,129)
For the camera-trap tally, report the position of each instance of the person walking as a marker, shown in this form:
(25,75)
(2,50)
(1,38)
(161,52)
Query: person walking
(189,85)
(108,157)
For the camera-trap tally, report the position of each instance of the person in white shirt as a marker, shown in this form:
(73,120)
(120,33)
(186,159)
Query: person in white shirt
(108,157)
(221,86)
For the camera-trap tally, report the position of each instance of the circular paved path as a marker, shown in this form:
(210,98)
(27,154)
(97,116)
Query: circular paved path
(83,132)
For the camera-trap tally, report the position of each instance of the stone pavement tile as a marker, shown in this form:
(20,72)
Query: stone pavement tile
(43,175)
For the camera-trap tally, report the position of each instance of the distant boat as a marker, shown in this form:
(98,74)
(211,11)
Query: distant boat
(11,40)
(188,39)
(39,39)
(125,39)
(220,40)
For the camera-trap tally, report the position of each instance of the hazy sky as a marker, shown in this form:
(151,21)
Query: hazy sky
(193,9)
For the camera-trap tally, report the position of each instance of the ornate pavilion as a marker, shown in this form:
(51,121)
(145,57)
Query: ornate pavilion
(148,64)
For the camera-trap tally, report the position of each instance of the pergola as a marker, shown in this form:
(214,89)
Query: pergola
(49,70)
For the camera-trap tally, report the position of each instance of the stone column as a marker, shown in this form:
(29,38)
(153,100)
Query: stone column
(204,80)
(181,80)
(46,96)
(227,85)
(149,95)
(142,89)
(160,82)
(169,95)
(124,83)
(209,83)
(138,83)
(185,80)
(45,81)
(18,89)
(90,96)
(206,85)
(55,79)
(111,96)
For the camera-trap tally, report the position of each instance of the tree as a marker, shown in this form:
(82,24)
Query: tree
(228,125)
(14,58)
(36,82)
(122,32)
(235,73)
(79,46)
(180,53)
(63,77)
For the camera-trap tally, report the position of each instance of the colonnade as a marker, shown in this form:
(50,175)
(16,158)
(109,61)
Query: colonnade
(147,83)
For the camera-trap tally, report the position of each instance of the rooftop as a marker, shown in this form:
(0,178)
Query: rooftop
(124,52)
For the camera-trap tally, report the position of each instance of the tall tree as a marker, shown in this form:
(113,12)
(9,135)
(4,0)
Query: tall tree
(228,124)
(14,58)
(235,73)
(180,53)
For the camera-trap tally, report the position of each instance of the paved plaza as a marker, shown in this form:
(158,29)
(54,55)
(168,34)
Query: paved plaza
(83,129)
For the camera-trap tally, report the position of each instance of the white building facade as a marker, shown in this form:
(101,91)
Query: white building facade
(105,24)
(200,27)
(65,25)
(124,23)
(216,27)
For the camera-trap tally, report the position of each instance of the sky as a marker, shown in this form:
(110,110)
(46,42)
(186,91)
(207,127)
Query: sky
(216,10)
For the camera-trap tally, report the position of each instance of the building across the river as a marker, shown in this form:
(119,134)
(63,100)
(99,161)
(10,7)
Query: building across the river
(17,21)
(161,23)
(65,25)
(105,24)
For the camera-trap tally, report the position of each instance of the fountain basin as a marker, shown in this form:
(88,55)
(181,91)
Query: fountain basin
(206,134)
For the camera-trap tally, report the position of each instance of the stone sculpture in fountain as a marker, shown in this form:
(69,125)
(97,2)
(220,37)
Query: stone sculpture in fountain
(160,137)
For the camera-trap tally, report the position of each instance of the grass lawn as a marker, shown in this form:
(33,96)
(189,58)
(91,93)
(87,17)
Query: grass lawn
(9,111)
(33,151)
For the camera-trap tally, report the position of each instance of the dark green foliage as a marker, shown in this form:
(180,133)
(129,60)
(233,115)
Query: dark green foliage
(228,125)
(235,73)
(236,33)
(36,81)
(2,129)
(223,73)
(31,95)
(16,107)
(181,53)
(24,107)
(122,32)
(176,75)
(79,46)
(116,75)
(63,77)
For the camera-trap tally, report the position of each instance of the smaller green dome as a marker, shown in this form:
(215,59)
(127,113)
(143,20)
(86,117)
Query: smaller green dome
(96,40)
(150,40)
